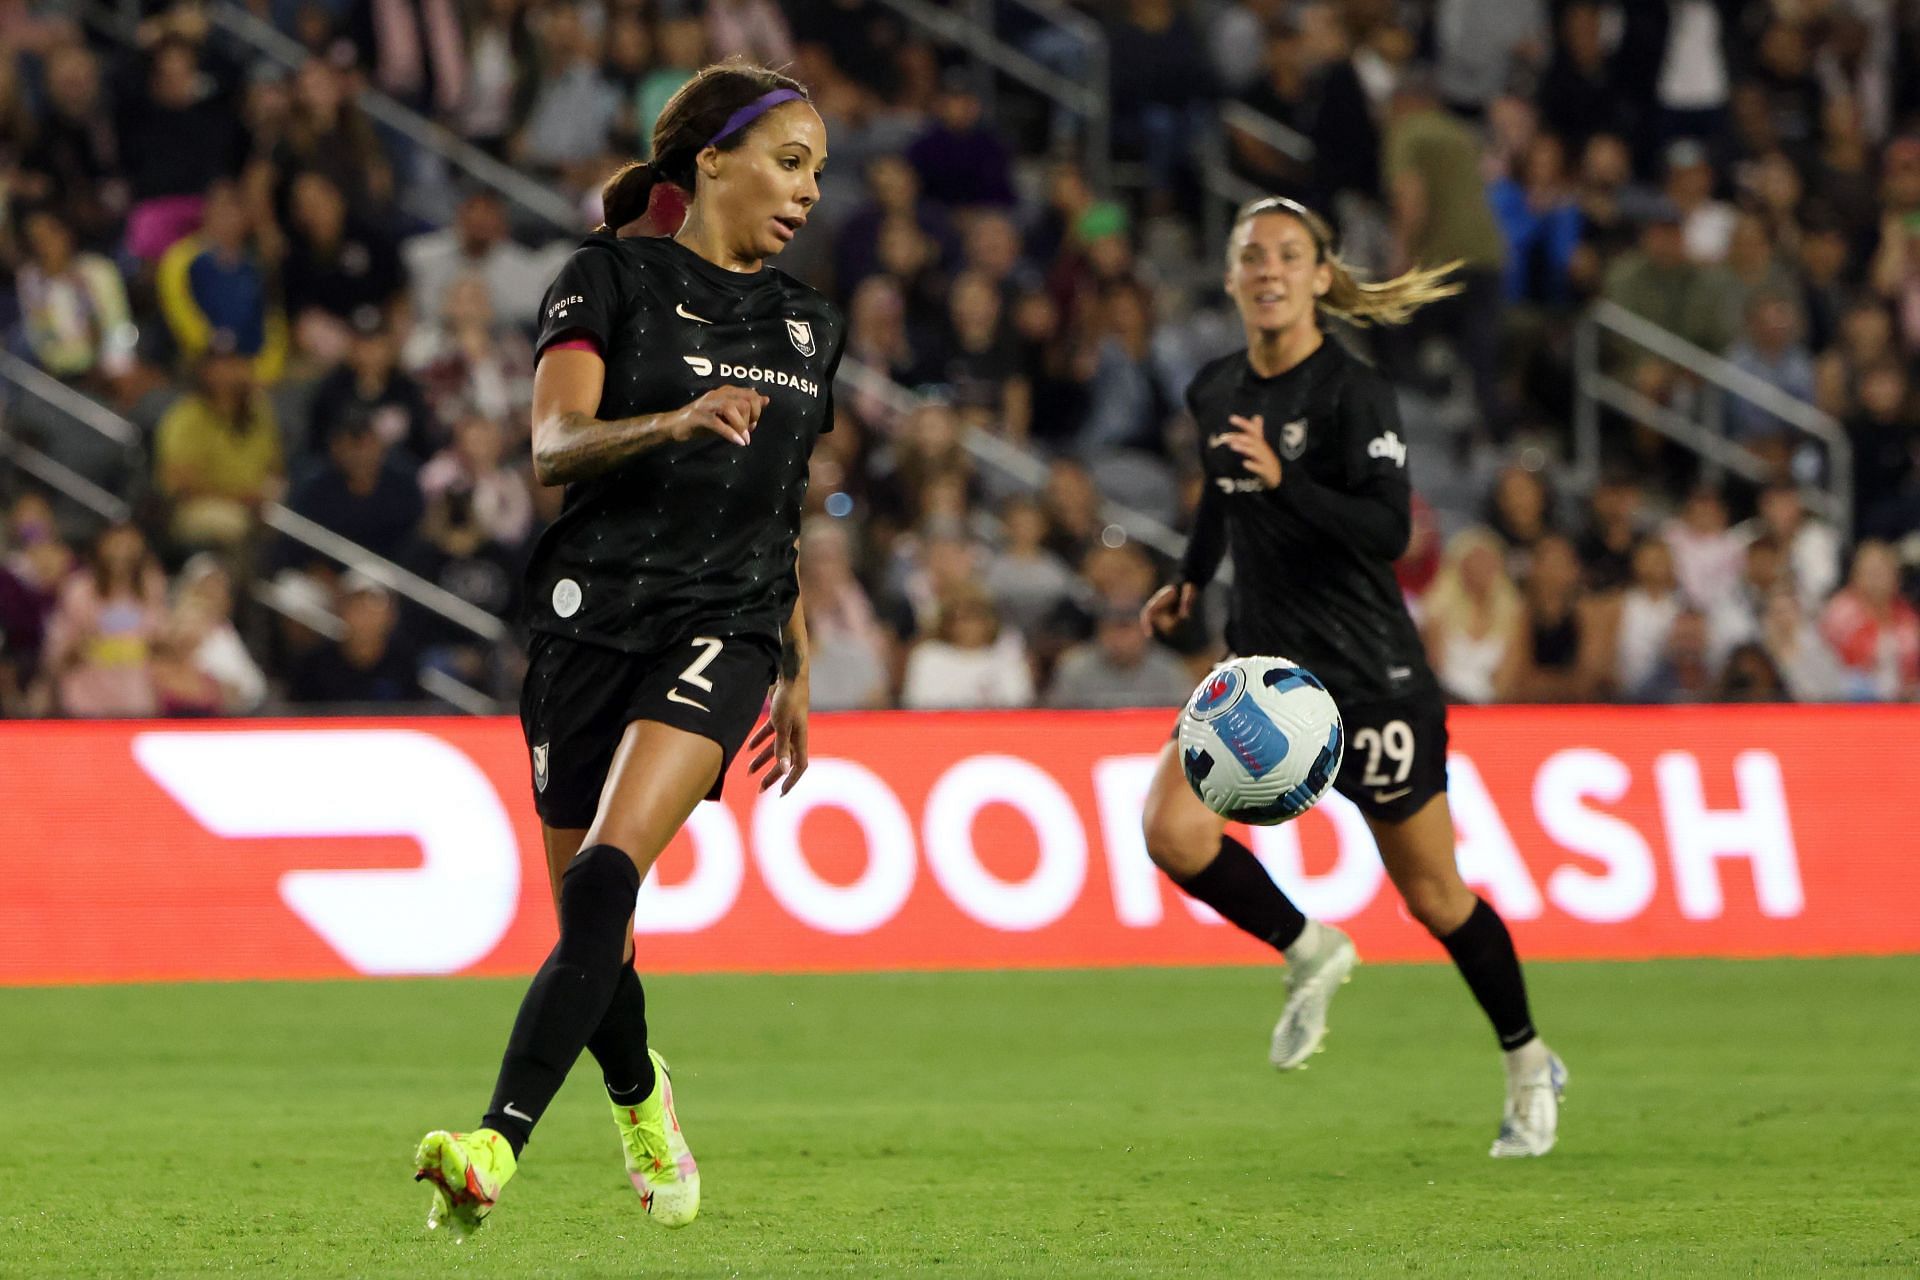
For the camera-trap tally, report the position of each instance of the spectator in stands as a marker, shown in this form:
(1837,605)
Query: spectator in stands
(1127,408)
(368,664)
(1749,675)
(1474,617)
(1885,434)
(98,640)
(1645,618)
(1807,665)
(335,265)
(499,52)
(681,50)
(1706,223)
(217,453)
(413,50)
(327,133)
(1441,215)
(983,368)
(1772,352)
(1237,40)
(1896,265)
(1707,553)
(1027,581)
(1577,97)
(1119,667)
(1865,338)
(1657,281)
(497,503)
(878,338)
(1736,619)
(73,160)
(200,666)
(1754,269)
(478,244)
(1159,83)
(73,306)
(217,280)
(968,660)
(852,651)
(752,29)
(370,386)
(1809,545)
(961,158)
(1607,199)
(1875,632)
(1284,94)
(35,565)
(566,129)
(1541,222)
(1520,511)
(176,140)
(1561,656)
(465,359)
(991,248)
(1682,672)
(1485,47)
(359,494)
(1072,504)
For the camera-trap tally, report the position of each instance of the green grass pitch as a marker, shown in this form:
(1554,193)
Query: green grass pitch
(1725,1118)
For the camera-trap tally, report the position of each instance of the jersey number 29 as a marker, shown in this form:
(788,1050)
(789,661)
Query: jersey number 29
(1393,740)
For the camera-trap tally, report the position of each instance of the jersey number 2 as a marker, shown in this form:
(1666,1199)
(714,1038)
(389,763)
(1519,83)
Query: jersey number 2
(1395,741)
(709,650)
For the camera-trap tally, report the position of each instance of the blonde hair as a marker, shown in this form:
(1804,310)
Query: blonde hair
(1448,603)
(1357,301)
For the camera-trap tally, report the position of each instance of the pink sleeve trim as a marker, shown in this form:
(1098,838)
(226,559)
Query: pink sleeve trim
(574,344)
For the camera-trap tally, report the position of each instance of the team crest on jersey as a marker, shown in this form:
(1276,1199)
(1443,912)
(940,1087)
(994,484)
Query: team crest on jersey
(1293,439)
(540,767)
(801,332)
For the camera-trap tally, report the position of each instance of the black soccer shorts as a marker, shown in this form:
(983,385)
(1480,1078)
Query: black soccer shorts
(579,699)
(1396,758)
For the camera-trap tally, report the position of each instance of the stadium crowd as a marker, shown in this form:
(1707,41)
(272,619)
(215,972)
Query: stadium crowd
(294,304)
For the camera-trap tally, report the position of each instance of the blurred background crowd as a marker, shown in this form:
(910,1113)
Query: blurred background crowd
(246,315)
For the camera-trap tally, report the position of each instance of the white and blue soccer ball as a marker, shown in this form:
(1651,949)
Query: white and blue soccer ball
(1260,740)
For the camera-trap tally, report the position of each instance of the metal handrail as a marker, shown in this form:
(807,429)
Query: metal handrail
(1283,138)
(45,387)
(1089,101)
(59,476)
(1595,387)
(509,182)
(273,515)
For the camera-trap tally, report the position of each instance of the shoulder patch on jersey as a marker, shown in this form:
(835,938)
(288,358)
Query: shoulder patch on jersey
(801,334)
(1389,445)
(1293,439)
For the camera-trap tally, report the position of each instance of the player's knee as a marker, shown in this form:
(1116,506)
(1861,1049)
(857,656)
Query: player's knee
(1439,903)
(596,899)
(1179,844)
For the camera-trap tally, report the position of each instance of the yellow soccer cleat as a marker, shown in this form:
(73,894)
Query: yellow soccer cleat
(468,1171)
(658,1161)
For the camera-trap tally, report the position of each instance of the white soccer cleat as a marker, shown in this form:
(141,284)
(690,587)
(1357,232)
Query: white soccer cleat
(1531,1121)
(1311,984)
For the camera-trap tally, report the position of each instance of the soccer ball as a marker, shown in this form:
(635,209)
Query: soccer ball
(1260,740)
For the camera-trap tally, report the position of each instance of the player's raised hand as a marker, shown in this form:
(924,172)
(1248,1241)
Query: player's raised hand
(1249,439)
(1168,607)
(729,412)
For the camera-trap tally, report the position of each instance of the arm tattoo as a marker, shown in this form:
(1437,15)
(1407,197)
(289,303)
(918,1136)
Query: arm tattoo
(579,446)
(789,655)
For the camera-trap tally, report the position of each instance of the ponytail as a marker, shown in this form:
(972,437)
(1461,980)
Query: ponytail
(1354,300)
(625,195)
(1392,301)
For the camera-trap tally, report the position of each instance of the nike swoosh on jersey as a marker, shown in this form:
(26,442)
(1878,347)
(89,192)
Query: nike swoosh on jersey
(1384,797)
(674,695)
(681,311)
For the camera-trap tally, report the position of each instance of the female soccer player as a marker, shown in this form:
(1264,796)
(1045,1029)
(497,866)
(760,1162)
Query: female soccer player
(1307,485)
(681,385)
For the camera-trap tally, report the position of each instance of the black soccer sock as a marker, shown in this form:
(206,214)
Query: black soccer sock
(619,1043)
(1239,888)
(1482,950)
(570,994)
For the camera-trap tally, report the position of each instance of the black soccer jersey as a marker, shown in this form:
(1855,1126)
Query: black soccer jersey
(696,535)
(1313,559)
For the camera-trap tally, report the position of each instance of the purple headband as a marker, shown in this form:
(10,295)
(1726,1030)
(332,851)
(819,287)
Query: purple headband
(751,112)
